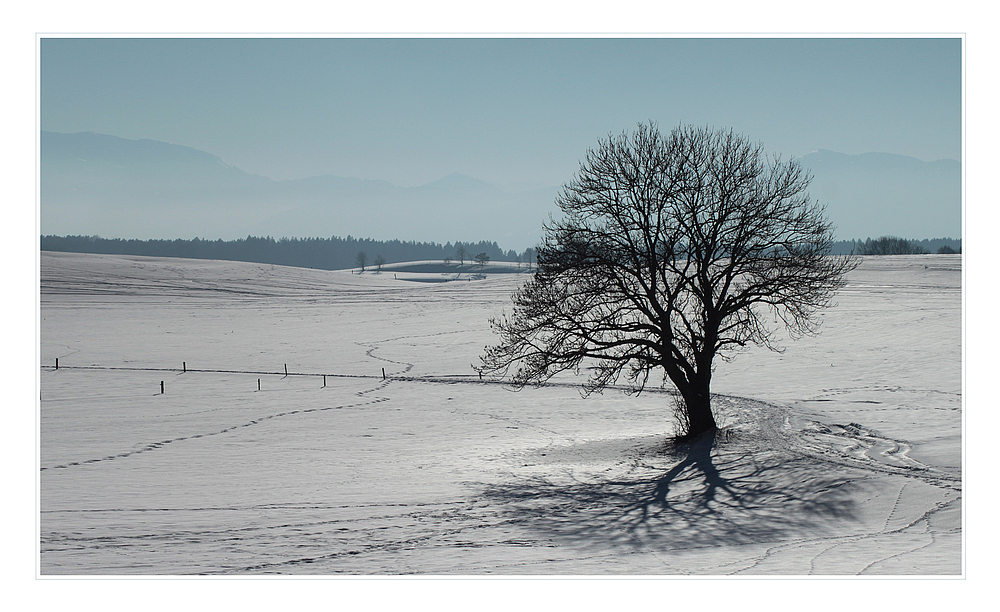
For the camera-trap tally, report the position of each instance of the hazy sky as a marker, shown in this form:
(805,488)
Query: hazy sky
(503,110)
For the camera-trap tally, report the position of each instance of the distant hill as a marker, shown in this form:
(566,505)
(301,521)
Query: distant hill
(332,253)
(95,184)
(877,194)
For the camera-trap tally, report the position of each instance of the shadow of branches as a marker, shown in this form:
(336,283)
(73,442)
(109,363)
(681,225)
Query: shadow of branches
(715,494)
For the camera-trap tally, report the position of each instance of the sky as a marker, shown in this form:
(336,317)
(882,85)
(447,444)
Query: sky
(512,111)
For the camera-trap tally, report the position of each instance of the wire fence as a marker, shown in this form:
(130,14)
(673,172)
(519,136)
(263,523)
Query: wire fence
(448,379)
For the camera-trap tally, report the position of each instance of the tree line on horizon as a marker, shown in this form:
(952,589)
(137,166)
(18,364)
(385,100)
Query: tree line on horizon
(336,253)
(332,253)
(894,245)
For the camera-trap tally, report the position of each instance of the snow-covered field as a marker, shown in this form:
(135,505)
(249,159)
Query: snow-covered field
(842,455)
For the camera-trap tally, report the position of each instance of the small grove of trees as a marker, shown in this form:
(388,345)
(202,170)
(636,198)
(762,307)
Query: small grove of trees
(927,245)
(893,245)
(673,250)
(889,245)
(530,256)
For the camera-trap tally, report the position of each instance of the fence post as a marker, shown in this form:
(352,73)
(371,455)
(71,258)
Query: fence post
(57,363)
(161,387)
(185,365)
(324,380)
(286,369)
(258,384)
(383,373)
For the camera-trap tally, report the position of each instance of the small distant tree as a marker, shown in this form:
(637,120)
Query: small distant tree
(379,262)
(529,256)
(482,258)
(361,260)
(447,261)
(460,252)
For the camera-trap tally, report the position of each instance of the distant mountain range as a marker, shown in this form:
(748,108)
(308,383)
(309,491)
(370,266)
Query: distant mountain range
(95,184)
(876,194)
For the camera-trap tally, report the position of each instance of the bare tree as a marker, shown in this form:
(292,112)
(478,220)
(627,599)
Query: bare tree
(361,259)
(530,254)
(379,262)
(672,250)
(461,253)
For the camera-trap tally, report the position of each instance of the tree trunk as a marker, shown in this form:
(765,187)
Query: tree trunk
(700,416)
(700,407)
(698,403)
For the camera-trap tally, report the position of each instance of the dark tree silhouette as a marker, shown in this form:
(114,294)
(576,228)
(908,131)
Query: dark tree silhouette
(361,260)
(530,255)
(889,245)
(379,262)
(481,259)
(672,250)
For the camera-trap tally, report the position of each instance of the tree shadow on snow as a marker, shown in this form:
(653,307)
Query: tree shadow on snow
(715,495)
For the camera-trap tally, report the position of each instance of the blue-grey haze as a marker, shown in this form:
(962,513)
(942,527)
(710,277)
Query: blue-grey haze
(517,114)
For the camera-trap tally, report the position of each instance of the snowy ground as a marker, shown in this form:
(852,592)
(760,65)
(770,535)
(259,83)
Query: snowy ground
(843,454)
